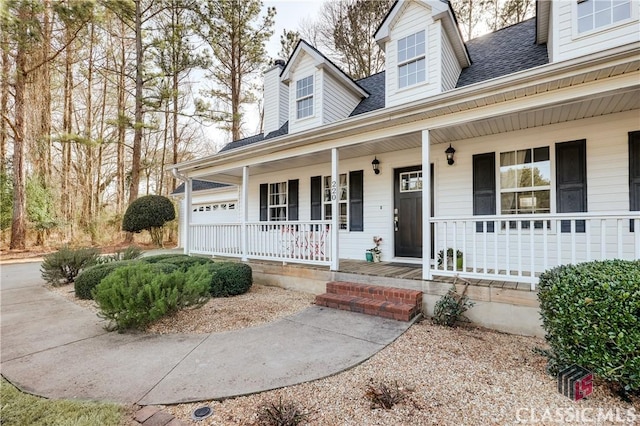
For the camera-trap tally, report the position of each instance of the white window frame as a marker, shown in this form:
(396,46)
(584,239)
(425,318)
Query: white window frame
(277,195)
(343,199)
(518,190)
(304,97)
(406,61)
(581,5)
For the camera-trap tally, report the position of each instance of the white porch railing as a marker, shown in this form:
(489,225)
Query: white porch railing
(519,248)
(307,242)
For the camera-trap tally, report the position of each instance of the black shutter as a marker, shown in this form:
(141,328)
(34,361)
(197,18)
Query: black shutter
(634,174)
(316,198)
(571,181)
(264,209)
(484,188)
(293,200)
(356,201)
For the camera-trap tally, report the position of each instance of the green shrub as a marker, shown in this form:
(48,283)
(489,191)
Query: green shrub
(150,213)
(183,262)
(89,279)
(450,307)
(63,266)
(229,278)
(591,313)
(136,295)
(130,253)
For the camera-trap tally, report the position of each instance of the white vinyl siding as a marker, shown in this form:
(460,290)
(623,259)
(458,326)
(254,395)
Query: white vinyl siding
(450,66)
(567,42)
(413,18)
(276,101)
(338,100)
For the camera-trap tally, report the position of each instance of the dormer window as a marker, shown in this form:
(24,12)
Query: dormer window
(593,14)
(411,60)
(304,97)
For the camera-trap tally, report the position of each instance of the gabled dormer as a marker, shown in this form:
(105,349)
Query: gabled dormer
(574,28)
(319,92)
(424,51)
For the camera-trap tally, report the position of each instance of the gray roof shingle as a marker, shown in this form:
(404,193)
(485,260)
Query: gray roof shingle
(503,52)
(374,84)
(199,185)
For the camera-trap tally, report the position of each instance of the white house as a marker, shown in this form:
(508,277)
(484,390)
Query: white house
(531,135)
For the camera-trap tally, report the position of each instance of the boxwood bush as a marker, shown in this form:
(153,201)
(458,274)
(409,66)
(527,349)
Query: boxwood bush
(136,295)
(591,313)
(91,277)
(183,262)
(229,278)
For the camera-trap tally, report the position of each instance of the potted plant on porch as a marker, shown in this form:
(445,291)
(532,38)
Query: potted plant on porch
(459,260)
(374,254)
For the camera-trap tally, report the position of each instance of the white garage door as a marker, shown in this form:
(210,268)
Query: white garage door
(220,212)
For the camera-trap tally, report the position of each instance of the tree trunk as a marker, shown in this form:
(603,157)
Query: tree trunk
(121,126)
(19,223)
(4,102)
(138,125)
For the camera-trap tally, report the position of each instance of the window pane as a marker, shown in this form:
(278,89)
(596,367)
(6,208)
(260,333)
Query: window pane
(541,154)
(542,174)
(585,8)
(621,10)
(507,177)
(585,24)
(603,18)
(543,204)
(600,5)
(525,178)
(327,211)
(523,156)
(508,158)
(508,203)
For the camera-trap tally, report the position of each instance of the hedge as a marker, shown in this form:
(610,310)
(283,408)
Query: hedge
(591,313)
(229,278)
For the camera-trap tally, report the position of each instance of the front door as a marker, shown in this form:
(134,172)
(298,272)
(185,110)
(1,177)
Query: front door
(407,213)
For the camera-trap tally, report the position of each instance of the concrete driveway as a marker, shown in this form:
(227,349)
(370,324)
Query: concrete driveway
(53,348)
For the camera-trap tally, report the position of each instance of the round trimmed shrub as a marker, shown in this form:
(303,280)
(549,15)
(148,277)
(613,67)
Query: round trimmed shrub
(591,313)
(91,277)
(229,278)
(150,213)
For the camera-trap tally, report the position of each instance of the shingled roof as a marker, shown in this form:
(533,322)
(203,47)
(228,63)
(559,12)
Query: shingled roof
(503,52)
(199,185)
(493,55)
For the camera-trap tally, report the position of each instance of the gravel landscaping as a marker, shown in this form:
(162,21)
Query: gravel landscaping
(449,376)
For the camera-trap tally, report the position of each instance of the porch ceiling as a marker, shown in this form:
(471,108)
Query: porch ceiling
(607,103)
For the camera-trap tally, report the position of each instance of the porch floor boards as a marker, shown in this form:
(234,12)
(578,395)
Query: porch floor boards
(414,272)
(397,269)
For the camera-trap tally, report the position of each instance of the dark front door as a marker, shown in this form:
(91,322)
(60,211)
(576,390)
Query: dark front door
(408,211)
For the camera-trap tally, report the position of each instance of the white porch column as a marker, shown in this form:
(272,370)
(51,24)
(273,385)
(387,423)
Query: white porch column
(188,185)
(426,206)
(245,211)
(335,217)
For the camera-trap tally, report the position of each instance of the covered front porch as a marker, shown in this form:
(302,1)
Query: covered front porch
(447,236)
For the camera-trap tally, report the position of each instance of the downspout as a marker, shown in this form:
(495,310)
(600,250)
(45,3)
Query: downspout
(187,207)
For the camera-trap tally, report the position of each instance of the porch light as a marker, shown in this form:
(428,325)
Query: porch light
(375,164)
(450,151)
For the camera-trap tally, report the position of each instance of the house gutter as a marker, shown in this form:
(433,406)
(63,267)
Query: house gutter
(512,82)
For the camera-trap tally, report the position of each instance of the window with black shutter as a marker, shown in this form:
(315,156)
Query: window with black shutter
(571,181)
(356,200)
(316,198)
(634,174)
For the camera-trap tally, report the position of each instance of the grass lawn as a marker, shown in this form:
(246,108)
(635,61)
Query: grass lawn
(19,409)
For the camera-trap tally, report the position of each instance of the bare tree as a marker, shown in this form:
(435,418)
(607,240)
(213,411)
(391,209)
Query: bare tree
(236,34)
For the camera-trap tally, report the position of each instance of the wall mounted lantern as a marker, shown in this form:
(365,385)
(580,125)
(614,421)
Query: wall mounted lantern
(375,164)
(450,151)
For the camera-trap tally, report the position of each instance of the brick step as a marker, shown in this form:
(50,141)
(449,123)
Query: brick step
(380,308)
(386,294)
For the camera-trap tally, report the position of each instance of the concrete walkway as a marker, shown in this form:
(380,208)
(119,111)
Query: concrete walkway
(54,348)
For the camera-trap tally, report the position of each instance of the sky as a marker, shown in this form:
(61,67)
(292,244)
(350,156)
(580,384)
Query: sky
(289,14)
